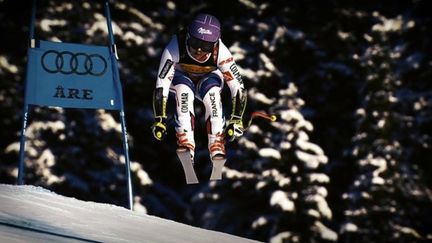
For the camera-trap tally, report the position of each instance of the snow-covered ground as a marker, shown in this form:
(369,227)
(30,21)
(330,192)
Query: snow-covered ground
(34,214)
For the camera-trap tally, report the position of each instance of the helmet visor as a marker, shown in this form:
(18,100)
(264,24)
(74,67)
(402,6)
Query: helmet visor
(196,44)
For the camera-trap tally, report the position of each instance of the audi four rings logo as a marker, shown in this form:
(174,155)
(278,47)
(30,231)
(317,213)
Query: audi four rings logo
(80,63)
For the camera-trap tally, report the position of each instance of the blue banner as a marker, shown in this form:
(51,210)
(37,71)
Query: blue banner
(73,76)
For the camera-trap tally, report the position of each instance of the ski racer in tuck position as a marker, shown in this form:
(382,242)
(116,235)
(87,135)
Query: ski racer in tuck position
(196,64)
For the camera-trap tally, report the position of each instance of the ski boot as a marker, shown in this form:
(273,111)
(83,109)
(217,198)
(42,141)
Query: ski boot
(217,154)
(216,146)
(185,152)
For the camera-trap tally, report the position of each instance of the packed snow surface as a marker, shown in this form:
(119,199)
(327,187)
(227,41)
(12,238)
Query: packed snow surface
(34,214)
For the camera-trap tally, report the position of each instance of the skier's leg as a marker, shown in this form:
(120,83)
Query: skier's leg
(185,116)
(210,92)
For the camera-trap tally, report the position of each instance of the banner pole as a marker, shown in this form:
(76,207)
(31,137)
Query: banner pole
(32,21)
(110,31)
(21,166)
(31,43)
(122,113)
(126,149)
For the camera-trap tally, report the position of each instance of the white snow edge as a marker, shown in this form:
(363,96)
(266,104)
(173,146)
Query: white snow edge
(34,214)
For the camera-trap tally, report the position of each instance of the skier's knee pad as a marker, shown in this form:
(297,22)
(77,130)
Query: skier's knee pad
(181,79)
(208,83)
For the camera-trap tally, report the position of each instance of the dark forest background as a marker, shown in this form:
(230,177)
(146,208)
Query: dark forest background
(348,159)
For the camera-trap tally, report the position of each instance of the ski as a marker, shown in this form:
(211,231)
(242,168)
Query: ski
(230,131)
(187,164)
(218,165)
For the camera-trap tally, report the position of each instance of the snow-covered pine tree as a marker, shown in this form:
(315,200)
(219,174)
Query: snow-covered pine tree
(274,187)
(388,197)
(415,103)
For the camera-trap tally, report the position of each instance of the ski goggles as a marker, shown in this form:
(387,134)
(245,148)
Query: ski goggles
(196,44)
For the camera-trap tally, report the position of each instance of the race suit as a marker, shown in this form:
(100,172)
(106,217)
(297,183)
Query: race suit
(188,78)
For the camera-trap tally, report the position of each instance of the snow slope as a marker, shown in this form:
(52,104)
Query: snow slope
(34,214)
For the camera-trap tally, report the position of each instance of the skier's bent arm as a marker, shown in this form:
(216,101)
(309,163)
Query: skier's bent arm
(234,81)
(160,95)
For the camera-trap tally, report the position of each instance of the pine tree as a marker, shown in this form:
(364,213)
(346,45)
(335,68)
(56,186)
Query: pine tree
(388,196)
(274,188)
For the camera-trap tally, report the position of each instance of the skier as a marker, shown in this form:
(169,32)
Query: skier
(196,63)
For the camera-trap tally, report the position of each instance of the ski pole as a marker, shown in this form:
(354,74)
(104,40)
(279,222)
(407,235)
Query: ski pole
(254,114)
(262,115)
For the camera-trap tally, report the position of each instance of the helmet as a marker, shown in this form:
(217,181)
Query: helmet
(205,27)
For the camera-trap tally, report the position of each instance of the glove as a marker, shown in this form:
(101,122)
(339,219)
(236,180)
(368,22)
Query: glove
(234,130)
(159,129)
(159,109)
